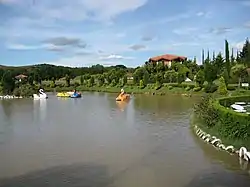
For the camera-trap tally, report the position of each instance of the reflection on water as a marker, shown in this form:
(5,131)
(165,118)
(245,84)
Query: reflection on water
(77,175)
(122,104)
(40,109)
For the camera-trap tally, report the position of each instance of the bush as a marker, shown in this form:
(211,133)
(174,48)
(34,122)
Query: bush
(210,88)
(187,88)
(205,111)
(231,87)
(227,101)
(197,89)
(170,87)
(227,122)
(222,88)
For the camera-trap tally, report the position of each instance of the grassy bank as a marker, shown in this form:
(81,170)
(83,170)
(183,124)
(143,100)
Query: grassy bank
(171,88)
(218,119)
(149,89)
(215,131)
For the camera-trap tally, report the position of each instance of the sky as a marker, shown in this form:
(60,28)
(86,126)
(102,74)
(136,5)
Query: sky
(109,32)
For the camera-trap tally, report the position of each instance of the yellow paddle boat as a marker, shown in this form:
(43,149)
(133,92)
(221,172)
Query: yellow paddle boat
(63,94)
(123,96)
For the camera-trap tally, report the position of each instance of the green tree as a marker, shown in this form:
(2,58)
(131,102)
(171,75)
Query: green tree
(245,54)
(239,71)
(227,61)
(67,79)
(210,71)
(8,82)
(81,80)
(100,79)
(200,78)
(31,80)
(222,88)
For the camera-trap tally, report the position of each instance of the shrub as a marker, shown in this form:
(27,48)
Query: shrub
(222,88)
(228,123)
(170,87)
(187,88)
(205,111)
(231,87)
(157,85)
(197,89)
(210,88)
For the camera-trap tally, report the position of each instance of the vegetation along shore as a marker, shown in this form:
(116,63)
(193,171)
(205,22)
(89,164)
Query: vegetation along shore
(159,75)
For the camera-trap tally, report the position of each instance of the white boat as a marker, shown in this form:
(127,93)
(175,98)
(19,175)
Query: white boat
(237,107)
(41,95)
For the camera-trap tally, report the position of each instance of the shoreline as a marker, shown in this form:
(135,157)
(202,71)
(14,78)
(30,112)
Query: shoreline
(237,143)
(164,90)
(210,137)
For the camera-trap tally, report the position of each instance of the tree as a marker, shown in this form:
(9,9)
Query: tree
(139,75)
(227,63)
(239,71)
(222,88)
(210,71)
(218,64)
(100,79)
(245,54)
(67,79)
(31,80)
(81,80)
(202,57)
(200,78)
(8,83)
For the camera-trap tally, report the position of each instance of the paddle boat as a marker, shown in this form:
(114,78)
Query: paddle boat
(41,95)
(73,94)
(62,94)
(123,96)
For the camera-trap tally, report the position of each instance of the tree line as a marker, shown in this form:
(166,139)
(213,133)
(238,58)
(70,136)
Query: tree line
(228,69)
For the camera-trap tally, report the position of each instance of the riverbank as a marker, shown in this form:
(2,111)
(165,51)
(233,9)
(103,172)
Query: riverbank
(183,89)
(214,131)
(215,117)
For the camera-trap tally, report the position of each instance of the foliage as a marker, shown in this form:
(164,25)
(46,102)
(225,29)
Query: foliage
(142,85)
(206,112)
(24,90)
(222,88)
(81,80)
(210,88)
(8,83)
(227,122)
(200,78)
(233,71)
(239,70)
(67,79)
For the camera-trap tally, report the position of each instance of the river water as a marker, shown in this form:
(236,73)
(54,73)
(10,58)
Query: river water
(95,142)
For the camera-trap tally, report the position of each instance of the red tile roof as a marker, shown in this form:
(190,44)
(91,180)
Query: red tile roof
(21,76)
(168,57)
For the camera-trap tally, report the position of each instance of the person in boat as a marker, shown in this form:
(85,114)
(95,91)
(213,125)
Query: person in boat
(122,92)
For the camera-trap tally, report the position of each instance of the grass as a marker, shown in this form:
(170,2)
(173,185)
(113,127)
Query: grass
(213,131)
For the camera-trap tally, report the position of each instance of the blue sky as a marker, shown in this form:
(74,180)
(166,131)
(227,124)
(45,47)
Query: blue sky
(108,32)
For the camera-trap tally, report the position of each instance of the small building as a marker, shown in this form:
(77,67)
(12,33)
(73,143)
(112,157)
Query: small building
(21,77)
(167,59)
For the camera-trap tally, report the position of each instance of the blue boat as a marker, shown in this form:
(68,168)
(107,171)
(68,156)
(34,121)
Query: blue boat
(76,95)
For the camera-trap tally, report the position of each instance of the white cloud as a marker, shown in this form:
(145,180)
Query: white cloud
(114,57)
(22,47)
(88,60)
(78,10)
(238,45)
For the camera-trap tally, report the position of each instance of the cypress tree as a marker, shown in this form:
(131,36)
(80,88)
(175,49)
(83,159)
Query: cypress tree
(203,58)
(227,64)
